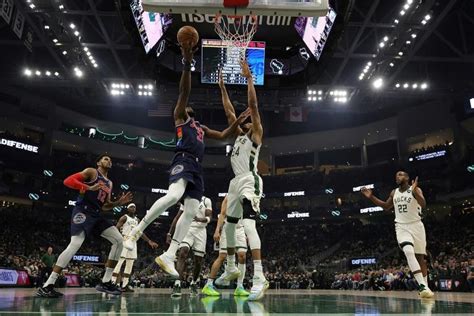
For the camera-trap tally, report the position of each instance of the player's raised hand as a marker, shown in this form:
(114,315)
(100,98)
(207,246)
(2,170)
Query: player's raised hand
(245,69)
(187,51)
(221,79)
(217,236)
(366,192)
(96,187)
(125,198)
(153,244)
(243,116)
(414,184)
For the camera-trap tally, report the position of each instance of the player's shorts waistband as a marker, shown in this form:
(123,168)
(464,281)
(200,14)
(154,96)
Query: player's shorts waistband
(186,154)
(243,175)
(409,223)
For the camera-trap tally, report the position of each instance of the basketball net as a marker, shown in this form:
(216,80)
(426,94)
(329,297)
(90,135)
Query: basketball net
(236,31)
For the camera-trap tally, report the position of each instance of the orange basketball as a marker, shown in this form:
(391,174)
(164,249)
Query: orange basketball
(188,34)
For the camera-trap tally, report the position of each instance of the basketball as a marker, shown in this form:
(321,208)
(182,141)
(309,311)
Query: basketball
(188,34)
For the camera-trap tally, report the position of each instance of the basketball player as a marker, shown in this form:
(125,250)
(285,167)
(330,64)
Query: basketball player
(95,191)
(245,189)
(408,201)
(195,239)
(125,224)
(241,247)
(186,171)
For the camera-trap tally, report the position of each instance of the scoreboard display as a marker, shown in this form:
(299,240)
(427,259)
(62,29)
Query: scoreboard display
(215,55)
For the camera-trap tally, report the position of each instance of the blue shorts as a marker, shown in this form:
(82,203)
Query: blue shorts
(88,220)
(187,167)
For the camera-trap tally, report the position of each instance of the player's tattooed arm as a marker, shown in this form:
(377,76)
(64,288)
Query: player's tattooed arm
(121,221)
(228,131)
(180,115)
(386,205)
(257,128)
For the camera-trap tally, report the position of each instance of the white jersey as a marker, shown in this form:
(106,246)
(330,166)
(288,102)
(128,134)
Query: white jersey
(129,225)
(407,209)
(244,156)
(204,205)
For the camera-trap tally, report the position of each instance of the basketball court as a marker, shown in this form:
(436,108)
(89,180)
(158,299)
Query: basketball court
(294,302)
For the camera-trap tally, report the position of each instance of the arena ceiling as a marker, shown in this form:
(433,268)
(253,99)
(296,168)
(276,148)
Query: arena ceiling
(431,42)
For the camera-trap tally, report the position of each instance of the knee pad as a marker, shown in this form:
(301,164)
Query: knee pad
(252,234)
(248,212)
(233,220)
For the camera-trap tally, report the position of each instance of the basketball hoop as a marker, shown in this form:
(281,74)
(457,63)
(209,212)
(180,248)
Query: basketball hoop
(236,30)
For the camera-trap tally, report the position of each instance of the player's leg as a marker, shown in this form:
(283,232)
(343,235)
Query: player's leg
(241,259)
(234,213)
(209,288)
(113,235)
(118,268)
(175,192)
(197,266)
(63,260)
(180,267)
(166,260)
(419,238)
(127,274)
(199,250)
(406,243)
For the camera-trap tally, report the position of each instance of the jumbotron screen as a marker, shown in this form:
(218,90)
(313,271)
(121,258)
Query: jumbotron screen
(216,55)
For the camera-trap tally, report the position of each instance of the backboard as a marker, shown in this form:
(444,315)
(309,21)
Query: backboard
(310,8)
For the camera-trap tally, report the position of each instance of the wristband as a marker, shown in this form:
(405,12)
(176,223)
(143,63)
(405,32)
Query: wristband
(186,65)
(208,219)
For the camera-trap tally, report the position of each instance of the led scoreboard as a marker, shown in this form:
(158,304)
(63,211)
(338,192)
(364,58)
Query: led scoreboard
(216,55)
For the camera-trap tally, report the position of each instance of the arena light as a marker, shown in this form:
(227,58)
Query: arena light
(377,83)
(32,6)
(61,7)
(406,6)
(414,86)
(48,73)
(423,22)
(55,40)
(86,49)
(408,42)
(413,35)
(427,17)
(382,44)
(46,27)
(405,85)
(385,38)
(64,52)
(402,13)
(396,21)
(397,85)
(76,33)
(56,74)
(27,72)
(424,86)
(320,92)
(392,64)
(400,53)
(78,72)
(38,73)
(72,26)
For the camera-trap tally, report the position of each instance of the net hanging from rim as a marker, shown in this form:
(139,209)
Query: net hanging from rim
(236,31)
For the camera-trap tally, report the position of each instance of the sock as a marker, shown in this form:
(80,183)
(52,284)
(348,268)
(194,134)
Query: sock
(426,279)
(209,281)
(107,275)
(178,283)
(258,269)
(124,282)
(171,252)
(419,279)
(240,280)
(52,279)
(114,278)
(230,262)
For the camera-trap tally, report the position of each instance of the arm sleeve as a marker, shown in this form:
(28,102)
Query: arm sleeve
(76,182)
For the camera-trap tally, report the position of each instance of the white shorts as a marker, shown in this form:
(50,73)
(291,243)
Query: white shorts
(413,233)
(129,254)
(240,240)
(195,239)
(248,186)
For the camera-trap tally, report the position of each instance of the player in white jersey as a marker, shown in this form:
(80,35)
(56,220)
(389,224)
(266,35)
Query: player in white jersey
(126,224)
(241,248)
(245,189)
(408,202)
(195,239)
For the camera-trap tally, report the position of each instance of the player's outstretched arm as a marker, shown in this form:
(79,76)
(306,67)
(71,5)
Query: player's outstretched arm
(76,181)
(257,128)
(387,205)
(150,242)
(180,115)
(124,198)
(226,103)
(228,131)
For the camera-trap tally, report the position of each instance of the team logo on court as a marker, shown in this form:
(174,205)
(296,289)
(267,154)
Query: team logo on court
(79,218)
(177,169)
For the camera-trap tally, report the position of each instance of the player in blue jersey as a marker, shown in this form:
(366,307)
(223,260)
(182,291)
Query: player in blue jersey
(87,219)
(185,179)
